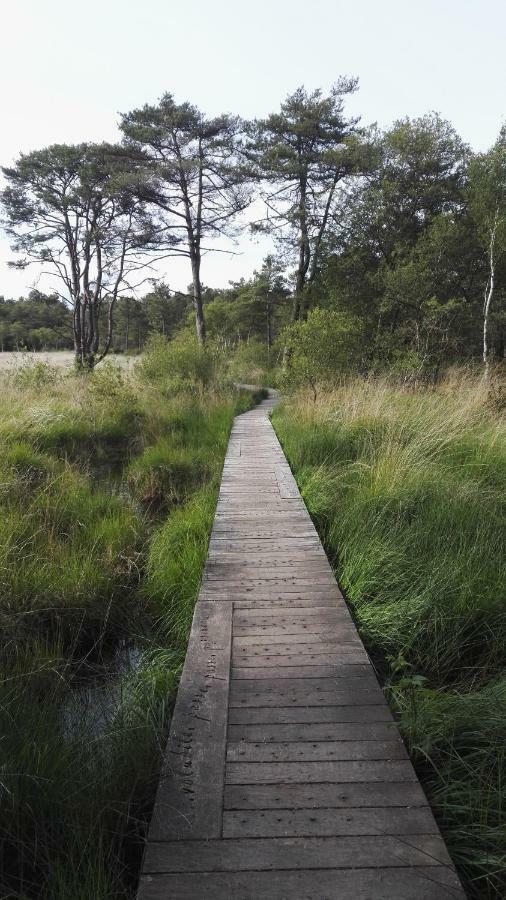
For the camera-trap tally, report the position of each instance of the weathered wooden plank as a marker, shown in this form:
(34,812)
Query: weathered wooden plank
(267,715)
(228,547)
(298,632)
(316,731)
(295,641)
(360,681)
(349,696)
(305,618)
(256,532)
(235,855)
(436,883)
(268,524)
(294,562)
(313,751)
(267,597)
(271,551)
(190,794)
(285,603)
(288,593)
(269,579)
(264,544)
(297,650)
(337,795)
(327,822)
(347,670)
(335,660)
(318,772)
(273,515)
(286,482)
(272,635)
(230,564)
(264,516)
(317,573)
(295,615)
(226,504)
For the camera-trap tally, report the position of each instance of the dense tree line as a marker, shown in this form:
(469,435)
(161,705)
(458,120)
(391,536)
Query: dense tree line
(400,234)
(44,321)
(37,322)
(418,253)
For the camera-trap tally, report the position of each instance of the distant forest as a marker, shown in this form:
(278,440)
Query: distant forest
(400,235)
(245,311)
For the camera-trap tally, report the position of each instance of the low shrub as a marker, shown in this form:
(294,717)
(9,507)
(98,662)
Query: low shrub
(180,364)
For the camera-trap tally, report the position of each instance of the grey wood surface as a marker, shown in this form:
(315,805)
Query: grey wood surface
(285,775)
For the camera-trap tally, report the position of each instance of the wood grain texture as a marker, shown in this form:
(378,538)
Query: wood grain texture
(328,822)
(190,793)
(350,851)
(436,883)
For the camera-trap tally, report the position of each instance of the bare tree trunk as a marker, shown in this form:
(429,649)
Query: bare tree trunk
(314,257)
(197,299)
(268,307)
(489,293)
(76,327)
(304,251)
(127,326)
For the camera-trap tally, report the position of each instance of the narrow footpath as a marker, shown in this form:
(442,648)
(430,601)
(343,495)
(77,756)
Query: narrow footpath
(285,775)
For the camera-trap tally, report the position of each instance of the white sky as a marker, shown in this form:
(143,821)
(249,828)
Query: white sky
(68,68)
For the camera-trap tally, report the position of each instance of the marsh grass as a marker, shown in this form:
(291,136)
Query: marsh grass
(74,798)
(84,569)
(408,491)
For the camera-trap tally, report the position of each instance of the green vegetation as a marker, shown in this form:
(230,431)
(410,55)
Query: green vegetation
(407,487)
(108,484)
(390,261)
(319,348)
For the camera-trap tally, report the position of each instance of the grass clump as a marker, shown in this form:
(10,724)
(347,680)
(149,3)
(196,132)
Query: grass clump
(68,553)
(458,739)
(408,490)
(88,419)
(78,780)
(166,476)
(176,560)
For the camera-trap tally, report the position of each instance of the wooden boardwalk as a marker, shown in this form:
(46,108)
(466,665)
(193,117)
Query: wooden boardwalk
(285,775)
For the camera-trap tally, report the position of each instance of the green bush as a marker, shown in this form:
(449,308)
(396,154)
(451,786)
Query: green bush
(179,364)
(320,348)
(33,373)
(251,363)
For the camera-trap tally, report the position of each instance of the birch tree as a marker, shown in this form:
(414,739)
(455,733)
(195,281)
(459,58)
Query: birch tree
(487,199)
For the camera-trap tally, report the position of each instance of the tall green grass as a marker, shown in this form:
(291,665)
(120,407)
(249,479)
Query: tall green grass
(89,575)
(408,490)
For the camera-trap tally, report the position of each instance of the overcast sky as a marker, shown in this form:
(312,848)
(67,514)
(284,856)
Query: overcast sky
(68,69)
